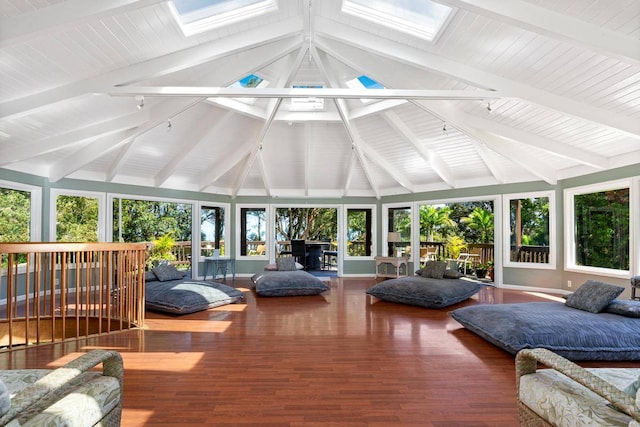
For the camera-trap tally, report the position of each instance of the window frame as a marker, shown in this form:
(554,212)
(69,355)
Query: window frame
(570,226)
(385,225)
(102,210)
(506,222)
(344,229)
(268,231)
(35,206)
(196,242)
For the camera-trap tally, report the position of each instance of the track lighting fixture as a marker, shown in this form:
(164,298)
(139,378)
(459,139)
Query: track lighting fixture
(140,100)
(489,107)
(444,128)
(169,125)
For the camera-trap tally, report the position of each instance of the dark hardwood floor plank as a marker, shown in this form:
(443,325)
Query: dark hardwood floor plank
(338,359)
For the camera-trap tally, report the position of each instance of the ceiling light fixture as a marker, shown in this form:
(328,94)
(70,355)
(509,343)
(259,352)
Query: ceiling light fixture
(444,128)
(169,125)
(489,107)
(140,100)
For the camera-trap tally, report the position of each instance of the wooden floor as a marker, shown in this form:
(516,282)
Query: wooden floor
(340,359)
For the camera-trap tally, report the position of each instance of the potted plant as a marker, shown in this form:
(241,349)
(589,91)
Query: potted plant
(483,269)
(161,252)
(454,246)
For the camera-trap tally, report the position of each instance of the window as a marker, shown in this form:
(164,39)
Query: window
(399,231)
(423,18)
(253,231)
(212,230)
(364,82)
(77,216)
(20,213)
(359,239)
(196,16)
(250,81)
(529,221)
(306,104)
(598,235)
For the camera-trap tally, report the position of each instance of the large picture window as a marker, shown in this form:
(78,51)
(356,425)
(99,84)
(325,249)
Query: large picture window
(598,228)
(529,221)
(77,216)
(212,230)
(19,212)
(398,237)
(253,231)
(359,238)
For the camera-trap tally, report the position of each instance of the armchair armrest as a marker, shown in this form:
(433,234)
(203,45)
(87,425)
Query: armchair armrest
(527,361)
(58,378)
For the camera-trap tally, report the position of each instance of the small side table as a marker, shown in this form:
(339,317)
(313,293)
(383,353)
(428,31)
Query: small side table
(635,286)
(219,265)
(399,266)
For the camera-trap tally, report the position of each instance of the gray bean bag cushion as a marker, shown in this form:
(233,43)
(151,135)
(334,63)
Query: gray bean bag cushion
(572,333)
(287,283)
(425,292)
(188,296)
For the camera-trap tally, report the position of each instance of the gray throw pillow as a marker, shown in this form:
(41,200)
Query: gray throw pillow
(593,296)
(434,269)
(626,308)
(167,272)
(286,263)
(452,274)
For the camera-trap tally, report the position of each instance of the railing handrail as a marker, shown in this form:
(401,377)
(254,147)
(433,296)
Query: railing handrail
(40,247)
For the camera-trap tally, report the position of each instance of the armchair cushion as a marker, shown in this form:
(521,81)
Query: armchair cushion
(567,394)
(5,398)
(72,395)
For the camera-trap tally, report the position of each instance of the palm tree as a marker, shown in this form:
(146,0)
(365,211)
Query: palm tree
(482,220)
(434,218)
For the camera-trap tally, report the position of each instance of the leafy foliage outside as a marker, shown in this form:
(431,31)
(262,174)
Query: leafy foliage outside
(15,215)
(534,219)
(602,229)
(76,219)
(471,221)
(147,220)
(307,223)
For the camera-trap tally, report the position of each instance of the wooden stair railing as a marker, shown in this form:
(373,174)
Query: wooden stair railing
(52,292)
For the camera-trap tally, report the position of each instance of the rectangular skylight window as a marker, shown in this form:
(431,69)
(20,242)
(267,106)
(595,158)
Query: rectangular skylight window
(250,81)
(423,18)
(364,82)
(307,104)
(196,16)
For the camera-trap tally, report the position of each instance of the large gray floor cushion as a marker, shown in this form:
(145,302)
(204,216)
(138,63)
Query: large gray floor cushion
(287,283)
(188,296)
(425,292)
(572,333)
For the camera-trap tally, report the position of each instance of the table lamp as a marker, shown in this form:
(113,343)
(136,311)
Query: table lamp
(393,237)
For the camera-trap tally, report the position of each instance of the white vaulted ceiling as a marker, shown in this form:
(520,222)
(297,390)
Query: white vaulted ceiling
(561,77)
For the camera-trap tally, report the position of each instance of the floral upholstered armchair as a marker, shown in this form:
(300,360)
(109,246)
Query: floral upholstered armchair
(569,395)
(71,395)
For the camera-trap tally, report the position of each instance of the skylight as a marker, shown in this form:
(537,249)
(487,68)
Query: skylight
(423,18)
(364,82)
(196,16)
(307,104)
(250,81)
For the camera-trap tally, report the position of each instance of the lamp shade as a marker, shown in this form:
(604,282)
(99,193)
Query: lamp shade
(394,237)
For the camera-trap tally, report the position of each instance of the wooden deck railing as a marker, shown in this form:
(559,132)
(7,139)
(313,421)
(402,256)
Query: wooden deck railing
(53,292)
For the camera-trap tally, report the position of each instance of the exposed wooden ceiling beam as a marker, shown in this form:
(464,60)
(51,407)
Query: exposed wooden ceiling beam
(557,25)
(347,40)
(155,67)
(430,156)
(344,116)
(288,70)
(74,137)
(287,92)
